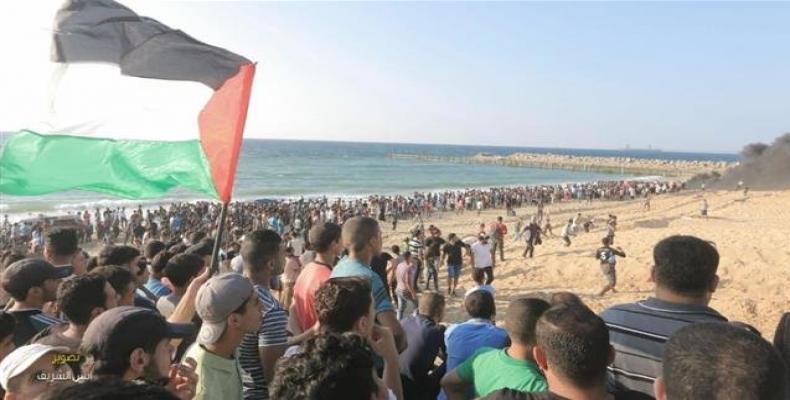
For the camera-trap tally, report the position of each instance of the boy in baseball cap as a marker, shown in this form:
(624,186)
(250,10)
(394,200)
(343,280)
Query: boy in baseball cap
(229,308)
(31,282)
(133,343)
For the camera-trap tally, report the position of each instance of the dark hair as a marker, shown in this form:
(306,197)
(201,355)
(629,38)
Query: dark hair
(685,264)
(92,263)
(339,302)
(322,235)
(395,249)
(522,316)
(716,360)
(782,338)
(160,261)
(576,342)
(406,254)
(183,267)
(108,388)
(152,248)
(202,248)
(358,231)
(259,248)
(117,255)
(480,304)
(565,298)
(78,296)
(62,242)
(177,248)
(330,367)
(431,304)
(11,257)
(7,324)
(118,277)
(197,236)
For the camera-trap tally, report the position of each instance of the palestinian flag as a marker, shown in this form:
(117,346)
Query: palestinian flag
(133,109)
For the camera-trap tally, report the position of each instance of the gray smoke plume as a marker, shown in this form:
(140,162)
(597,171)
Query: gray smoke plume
(762,167)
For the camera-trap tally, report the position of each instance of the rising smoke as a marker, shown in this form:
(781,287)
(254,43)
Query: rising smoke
(762,167)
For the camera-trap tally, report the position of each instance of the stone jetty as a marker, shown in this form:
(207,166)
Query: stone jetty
(614,165)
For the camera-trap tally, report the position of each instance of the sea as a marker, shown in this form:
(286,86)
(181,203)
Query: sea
(281,169)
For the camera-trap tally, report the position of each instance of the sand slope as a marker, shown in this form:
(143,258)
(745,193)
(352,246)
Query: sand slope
(752,236)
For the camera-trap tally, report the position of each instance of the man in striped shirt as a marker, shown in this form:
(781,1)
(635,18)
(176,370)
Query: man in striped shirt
(685,276)
(263,254)
(416,247)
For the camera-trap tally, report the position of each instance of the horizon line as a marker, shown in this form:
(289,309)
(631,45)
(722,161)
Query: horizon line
(657,151)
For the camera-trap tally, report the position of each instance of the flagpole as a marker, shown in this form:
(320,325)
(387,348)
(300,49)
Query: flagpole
(214,268)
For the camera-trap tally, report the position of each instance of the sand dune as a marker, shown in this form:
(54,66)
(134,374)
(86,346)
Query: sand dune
(752,236)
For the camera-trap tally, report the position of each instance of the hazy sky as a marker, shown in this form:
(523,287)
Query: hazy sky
(677,76)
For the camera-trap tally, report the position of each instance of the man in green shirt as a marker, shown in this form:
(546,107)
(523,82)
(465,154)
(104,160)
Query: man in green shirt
(229,308)
(513,367)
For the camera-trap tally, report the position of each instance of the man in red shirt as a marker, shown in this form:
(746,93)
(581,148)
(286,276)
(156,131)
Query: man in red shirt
(325,239)
(498,234)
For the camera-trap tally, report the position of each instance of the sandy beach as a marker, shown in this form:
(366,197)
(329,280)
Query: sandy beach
(751,236)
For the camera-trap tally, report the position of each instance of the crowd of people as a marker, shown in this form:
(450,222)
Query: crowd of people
(136,226)
(318,308)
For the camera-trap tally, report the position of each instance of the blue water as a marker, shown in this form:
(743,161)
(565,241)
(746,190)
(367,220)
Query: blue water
(286,168)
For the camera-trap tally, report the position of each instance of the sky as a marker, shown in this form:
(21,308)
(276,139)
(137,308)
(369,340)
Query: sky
(702,76)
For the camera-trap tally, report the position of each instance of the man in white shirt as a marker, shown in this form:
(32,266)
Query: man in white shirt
(482,261)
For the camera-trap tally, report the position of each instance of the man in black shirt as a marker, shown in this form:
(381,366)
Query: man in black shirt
(425,336)
(452,253)
(379,265)
(433,247)
(532,233)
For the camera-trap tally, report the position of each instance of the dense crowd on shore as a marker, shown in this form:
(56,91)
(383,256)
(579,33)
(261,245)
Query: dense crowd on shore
(309,304)
(136,225)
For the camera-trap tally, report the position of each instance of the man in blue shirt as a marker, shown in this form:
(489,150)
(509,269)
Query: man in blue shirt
(465,338)
(361,236)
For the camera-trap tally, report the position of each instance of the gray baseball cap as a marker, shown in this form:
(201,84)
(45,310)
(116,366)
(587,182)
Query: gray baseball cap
(219,297)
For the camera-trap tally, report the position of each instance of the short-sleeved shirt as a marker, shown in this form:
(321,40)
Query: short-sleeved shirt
(308,281)
(403,275)
(454,253)
(167,304)
(271,333)
(434,245)
(351,267)
(482,255)
(220,377)
(53,336)
(426,340)
(605,255)
(464,339)
(639,331)
(415,246)
(492,369)
(29,323)
(155,286)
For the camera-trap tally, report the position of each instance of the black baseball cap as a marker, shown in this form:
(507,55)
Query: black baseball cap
(120,330)
(24,274)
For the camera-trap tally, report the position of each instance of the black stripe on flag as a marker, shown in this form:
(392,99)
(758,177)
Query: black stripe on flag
(106,31)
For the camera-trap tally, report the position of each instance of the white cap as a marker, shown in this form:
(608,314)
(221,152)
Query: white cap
(22,358)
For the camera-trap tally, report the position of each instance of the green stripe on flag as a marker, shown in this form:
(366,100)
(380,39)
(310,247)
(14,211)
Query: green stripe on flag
(35,164)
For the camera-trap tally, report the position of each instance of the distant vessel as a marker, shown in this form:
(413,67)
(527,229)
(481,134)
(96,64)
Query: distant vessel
(649,149)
